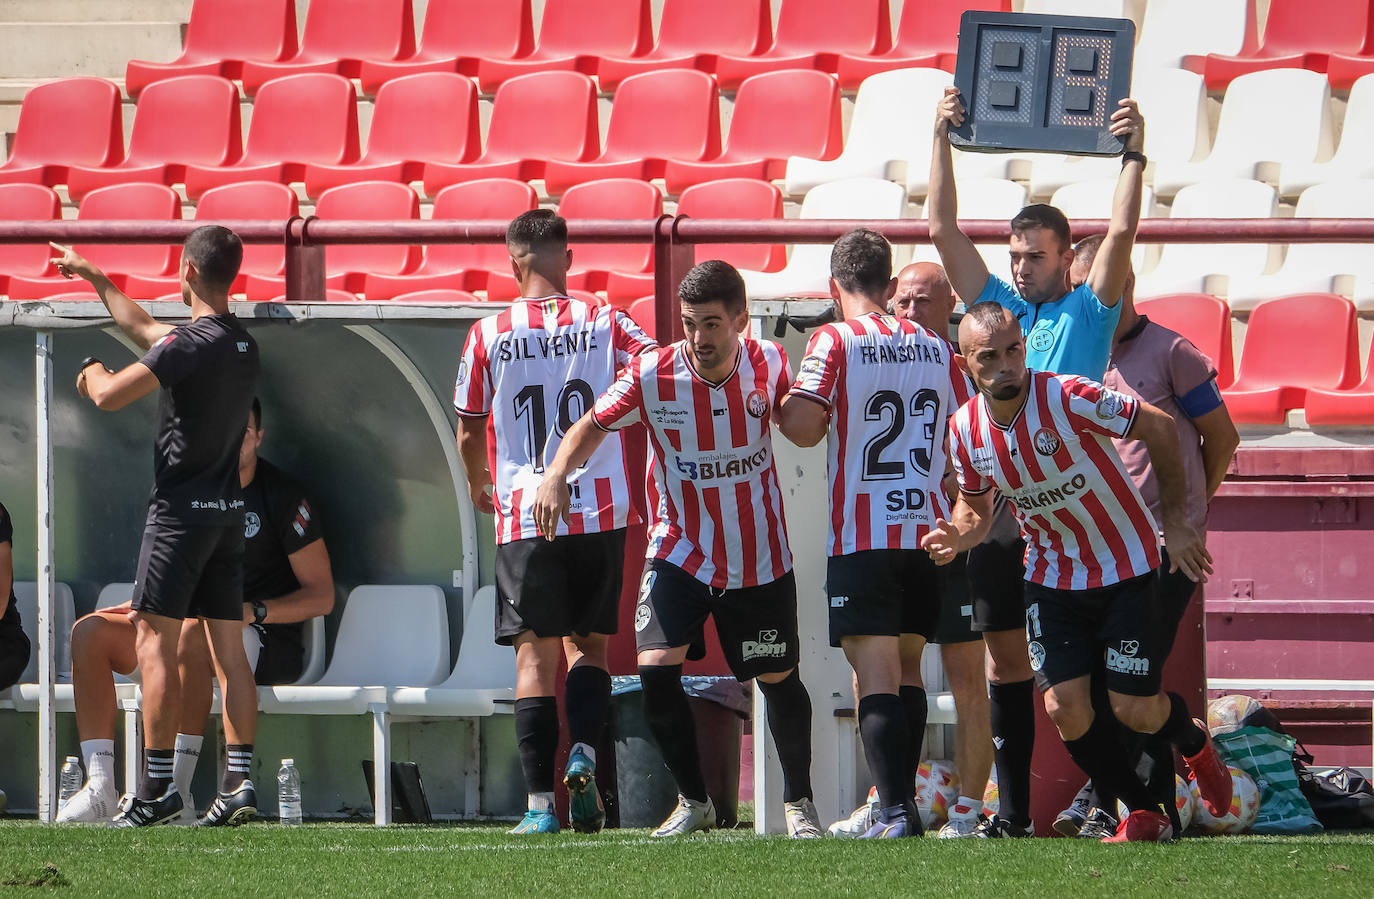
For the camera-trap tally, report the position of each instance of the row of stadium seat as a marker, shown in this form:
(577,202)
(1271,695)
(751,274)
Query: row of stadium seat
(665,124)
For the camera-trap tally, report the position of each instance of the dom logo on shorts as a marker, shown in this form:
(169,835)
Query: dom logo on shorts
(757,404)
(1125,660)
(1047,442)
(1037,655)
(766,647)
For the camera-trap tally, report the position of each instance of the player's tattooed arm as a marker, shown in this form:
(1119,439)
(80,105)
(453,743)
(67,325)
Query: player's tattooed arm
(1187,549)
(141,327)
(968,524)
(553,496)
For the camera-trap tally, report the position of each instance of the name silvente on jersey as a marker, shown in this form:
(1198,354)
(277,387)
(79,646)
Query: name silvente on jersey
(514,349)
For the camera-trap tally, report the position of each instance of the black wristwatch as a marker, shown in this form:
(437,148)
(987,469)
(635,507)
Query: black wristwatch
(88,362)
(259,611)
(1134,156)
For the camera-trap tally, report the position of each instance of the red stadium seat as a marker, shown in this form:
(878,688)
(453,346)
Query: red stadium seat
(457,33)
(187,120)
(428,117)
(691,33)
(673,113)
(776,115)
(612,198)
(461,266)
(437,295)
(1297,35)
(339,35)
(1336,408)
(232,202)
(331,295)
(347,265)
(26,203)
(573,35)
(223,34)
(297,120)
(1203,319)
(811,35)
(73,121)
(564,105)
(643,313)
(927,38)
(1293,344)
(134,201)
(731,198)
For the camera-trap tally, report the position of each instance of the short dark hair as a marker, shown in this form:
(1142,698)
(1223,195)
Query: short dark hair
(1041,215)
(1086,249)
(861,262)
(256,419)
(538,229)
(988,315)
(713,281)
(216,252)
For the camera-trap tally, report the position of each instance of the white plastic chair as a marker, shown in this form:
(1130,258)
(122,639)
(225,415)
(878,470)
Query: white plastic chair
(64,615)
(1093,200)
(1174,103)
(983,198)
(1115,9)
(1344,268)
(482,684)
(1200,268)
(313,639)
(1352,158)
(1269,119)
(1173,29)
(890,129)
(807,273)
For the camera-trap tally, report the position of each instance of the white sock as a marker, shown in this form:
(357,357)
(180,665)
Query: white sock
(99,758)
(539,802)
(184,761)
(587,750)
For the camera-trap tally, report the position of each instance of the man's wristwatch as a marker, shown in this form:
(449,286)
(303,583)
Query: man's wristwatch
(88,362)
(1134,156)
(259,611)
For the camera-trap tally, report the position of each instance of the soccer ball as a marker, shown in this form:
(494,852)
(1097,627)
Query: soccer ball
(1184,802)
(991,798)
(1245,802)
(937,788)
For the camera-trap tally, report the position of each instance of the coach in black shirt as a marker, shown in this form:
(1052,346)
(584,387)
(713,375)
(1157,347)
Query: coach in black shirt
(191,561)
(14,644)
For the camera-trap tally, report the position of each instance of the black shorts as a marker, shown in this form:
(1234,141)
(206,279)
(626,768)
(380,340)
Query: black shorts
(281,660)
(14,650)
(956,606)
(1174,592)
(190,572)
(883,592)
(1072,633)
(996,578)
(757,625)
(556,589)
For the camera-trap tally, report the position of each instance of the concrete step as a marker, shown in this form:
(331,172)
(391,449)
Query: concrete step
(95,11)
(37,50)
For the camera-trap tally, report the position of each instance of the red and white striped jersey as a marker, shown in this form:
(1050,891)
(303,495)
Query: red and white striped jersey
(891,386)
(536,368)
(714,485)
(1083,519)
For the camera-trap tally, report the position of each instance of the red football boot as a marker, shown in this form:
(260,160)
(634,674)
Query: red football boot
(1213,778)
(1142,826)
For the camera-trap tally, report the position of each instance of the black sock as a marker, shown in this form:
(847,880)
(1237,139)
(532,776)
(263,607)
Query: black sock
(1102,757)
(157,773)
(238,758)
(675,730)
(882,725)
(587,701)
(1013,741)
(914,701)
(1157,761)
(789,721)
(536,736)
(1180,730)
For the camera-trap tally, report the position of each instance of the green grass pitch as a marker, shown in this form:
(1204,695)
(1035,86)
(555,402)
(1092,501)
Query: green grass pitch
(361,860)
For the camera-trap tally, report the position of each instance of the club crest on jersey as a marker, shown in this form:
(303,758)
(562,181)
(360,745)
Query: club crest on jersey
(757,403)
(462,371)
(251,525)
(1109,405)
(1041,339)
(1047,443)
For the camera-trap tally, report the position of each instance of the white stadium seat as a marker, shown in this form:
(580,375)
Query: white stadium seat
(1188,268)
(64,614)
(1173,29)
(984,198)
(1093,200)
(891,127)
(1352,158)
(1116,9)
(1269,120)
(1317,267)
(807,273)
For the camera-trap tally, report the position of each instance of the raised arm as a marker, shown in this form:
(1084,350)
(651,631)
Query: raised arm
(1112,266)
(141,327)
(967,272)
(552,499)
(1187,551)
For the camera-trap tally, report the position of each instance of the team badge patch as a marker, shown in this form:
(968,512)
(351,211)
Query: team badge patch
(463,372)
(641,616)
(1109,405)
(1041,339)
(757,404)
(251,525)
(810,365)
(1037,655)
(1047,442)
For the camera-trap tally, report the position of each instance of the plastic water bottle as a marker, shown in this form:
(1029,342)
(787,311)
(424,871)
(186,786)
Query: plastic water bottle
(70,781)
(289,794)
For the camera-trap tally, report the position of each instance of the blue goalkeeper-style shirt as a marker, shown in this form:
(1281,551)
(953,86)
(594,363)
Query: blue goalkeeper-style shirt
(1068,336)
